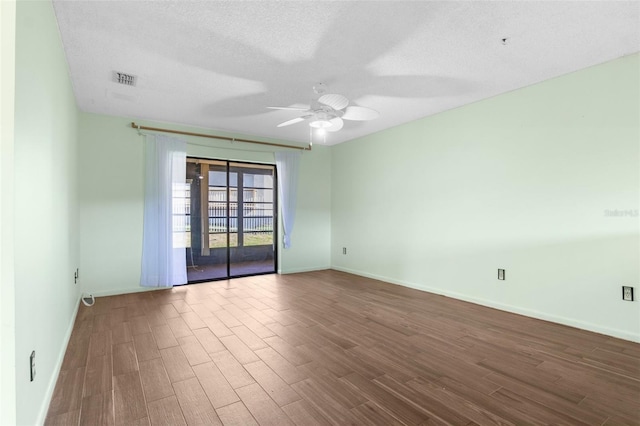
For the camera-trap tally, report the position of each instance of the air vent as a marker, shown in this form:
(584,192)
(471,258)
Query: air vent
(124,78)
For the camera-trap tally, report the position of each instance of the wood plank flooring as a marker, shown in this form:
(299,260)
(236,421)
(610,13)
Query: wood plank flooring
(327,347)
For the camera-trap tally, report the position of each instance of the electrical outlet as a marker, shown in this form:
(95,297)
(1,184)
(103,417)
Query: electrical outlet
(32,365)
(501,274)
(627,293)
(344,250)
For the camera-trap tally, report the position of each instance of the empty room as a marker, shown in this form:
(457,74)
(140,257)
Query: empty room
(319,212)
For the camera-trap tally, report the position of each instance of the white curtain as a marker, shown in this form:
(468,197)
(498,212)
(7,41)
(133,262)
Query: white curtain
(287,164)
(163,245)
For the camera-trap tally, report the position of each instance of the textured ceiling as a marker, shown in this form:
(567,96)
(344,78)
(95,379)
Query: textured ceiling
(219,64)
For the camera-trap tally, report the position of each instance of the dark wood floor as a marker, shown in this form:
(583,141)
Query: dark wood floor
(332,348)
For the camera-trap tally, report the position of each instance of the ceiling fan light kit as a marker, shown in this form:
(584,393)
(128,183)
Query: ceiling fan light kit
(320,124)
(329,111)
(321,121)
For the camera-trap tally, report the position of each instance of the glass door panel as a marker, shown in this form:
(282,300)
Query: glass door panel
(230,221)
(255,249)
(207,253)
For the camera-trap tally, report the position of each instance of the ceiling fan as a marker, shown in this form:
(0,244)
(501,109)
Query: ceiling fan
(328,110)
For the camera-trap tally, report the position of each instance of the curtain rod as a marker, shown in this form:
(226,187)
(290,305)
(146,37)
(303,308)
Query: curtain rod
(226,138)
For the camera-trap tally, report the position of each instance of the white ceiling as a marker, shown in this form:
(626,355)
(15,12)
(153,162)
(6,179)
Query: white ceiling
(219,64)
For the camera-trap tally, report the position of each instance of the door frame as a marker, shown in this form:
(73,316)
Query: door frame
(276,217)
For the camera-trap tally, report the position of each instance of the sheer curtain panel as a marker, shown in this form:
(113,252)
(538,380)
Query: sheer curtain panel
(163,244)
(288,164)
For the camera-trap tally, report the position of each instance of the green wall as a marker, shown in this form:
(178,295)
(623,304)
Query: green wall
(7,275)
(45,207)
(112,196)
(522,181)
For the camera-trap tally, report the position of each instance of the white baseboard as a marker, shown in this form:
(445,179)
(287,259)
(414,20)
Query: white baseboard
(299,270)
(124,291)
(56,368)
(621,334)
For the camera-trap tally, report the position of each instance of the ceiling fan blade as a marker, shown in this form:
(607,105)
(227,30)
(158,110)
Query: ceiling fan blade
(334,101)
(359,113)
(292,121)
(336,124)
(290,108)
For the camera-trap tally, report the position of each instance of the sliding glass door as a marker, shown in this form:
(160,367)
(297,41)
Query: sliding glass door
(231,219)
